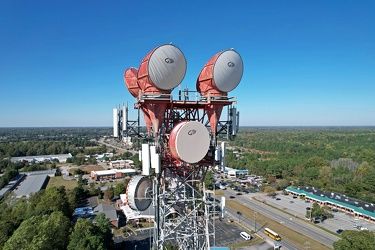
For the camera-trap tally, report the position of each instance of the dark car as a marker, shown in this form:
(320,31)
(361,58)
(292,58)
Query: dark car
(232,197)
(239,194)
(339,231)
(278,199)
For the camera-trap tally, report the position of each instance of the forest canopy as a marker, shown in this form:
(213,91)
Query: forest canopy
(340,159)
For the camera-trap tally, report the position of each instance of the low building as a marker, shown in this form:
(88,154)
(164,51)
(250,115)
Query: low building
(41,158)
(11,185)
(234,173)
(358,209)
(111,174)
(110,213)
(108,210)
(121,164)
(101,157)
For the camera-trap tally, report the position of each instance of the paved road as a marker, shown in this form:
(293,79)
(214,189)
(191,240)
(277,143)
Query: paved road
(292,222)
(270,243)
(114,144)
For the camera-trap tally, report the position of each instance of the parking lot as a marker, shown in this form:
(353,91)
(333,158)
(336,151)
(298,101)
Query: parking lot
(226,233)
(297,207)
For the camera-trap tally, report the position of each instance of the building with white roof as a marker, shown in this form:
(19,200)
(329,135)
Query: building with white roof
(121,164)
(111,173)
(41,158)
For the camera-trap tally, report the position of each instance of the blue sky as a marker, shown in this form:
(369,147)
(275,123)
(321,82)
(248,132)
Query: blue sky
(306,63)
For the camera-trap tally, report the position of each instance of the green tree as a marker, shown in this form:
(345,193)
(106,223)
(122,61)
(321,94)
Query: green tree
(319,212)
(84,237)
(41,232)
(135,159)
(7,227)
(364,169)
(53,200)
(89,236)
(316,162)
(282,184)
(169,246)
(209,180)
(119,189)
(358,240)
(103,226)
(269,190)
(108,194)
(316,211)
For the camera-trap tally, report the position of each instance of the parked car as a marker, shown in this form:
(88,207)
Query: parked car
(339,231)
(246,236)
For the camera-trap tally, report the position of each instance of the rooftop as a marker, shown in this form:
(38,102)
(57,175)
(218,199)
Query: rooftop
(336,198)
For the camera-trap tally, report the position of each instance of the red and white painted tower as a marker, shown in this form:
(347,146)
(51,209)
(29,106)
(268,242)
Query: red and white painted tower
(182,140)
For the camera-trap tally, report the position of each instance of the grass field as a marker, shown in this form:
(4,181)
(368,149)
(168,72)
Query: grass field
(90,168)
(87,169)
(285,232)
(59,181)
(219,192)
(252,242)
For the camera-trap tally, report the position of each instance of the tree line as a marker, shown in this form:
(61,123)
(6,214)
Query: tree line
(75,146)
(52,133)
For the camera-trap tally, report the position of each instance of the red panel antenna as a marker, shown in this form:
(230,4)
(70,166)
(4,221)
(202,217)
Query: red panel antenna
(160,72)
(220,74)
(130,79)
(131,82)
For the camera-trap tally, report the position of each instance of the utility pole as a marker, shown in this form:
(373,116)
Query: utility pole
(239,214)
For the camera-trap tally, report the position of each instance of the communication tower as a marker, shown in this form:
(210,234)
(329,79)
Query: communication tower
(182,142)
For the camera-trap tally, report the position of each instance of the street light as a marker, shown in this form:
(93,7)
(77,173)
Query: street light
(239,214)
(135,247)
(255,219)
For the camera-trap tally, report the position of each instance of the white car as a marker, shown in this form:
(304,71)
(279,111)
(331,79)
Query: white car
(246,236)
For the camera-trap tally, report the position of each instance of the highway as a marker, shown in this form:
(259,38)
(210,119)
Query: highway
(251,224)
(291,222)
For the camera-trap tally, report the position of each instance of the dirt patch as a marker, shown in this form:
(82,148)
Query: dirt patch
(90,168)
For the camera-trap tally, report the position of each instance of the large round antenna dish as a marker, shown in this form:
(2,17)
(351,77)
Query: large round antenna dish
(162,69)
(221,74)
(189,141)
(139,193)
(130,79)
